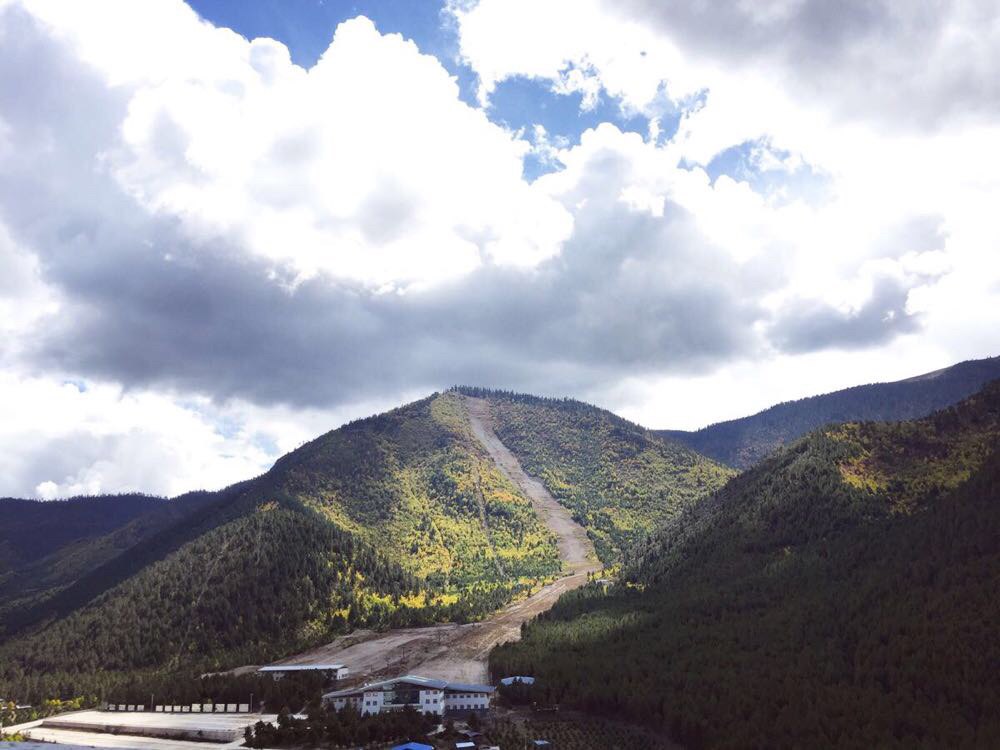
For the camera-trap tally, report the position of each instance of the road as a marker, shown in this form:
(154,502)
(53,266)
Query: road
(459,652)
(575,547)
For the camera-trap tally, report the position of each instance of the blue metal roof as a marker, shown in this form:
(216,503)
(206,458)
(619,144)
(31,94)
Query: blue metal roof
(518,678)
(413,746)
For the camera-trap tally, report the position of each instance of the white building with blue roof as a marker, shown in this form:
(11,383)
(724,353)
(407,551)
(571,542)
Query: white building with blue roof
(424,694)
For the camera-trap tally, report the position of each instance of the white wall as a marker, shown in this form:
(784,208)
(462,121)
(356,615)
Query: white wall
(467,701)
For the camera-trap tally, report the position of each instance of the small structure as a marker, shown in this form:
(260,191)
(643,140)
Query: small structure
(332,672)
(413,746)
(507,681)
(465,745)
(541,743)
(424,694)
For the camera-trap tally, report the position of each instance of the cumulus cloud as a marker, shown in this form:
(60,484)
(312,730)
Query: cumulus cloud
(367,166)
(150,300)
(225,251)
(64,439)
(905,64)
(156,310)
(807,325)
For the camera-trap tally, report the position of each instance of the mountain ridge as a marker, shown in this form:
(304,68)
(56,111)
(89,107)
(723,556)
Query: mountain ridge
(745,441)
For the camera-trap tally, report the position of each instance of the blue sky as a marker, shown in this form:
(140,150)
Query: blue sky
(307,26)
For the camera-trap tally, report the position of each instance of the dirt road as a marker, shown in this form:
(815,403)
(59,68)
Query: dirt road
(459,652)
(575,547)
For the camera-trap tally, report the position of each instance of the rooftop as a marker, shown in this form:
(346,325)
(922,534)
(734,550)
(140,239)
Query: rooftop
(518,678)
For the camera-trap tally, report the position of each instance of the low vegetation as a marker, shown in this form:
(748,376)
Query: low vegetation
(574,733)
(11,713)
(322,727)
(261,691)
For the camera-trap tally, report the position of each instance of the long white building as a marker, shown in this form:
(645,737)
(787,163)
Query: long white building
(424,694)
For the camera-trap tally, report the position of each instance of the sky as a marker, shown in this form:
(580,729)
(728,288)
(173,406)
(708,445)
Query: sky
(227,226)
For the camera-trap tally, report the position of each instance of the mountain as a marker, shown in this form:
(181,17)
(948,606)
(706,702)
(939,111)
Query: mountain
(49,545)
(745,442)
(32,530)
(842,593)
(394,520)
(620,480)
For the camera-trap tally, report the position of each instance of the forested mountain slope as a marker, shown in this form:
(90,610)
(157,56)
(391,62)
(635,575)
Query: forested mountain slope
(401,518)
(397,519)
(32,529)
(619,480)
(415,482)
(62,542)
(743,443)
(254,588)
(841,594)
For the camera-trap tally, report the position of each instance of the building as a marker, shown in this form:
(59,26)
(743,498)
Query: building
(424,694)
(508,681)
(332,672)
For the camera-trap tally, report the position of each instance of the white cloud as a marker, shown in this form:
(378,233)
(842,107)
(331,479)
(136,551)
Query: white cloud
(574,43)
(234,253)
(366,167)
(24,296)
(60,439)
(760,86)
(64,439)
